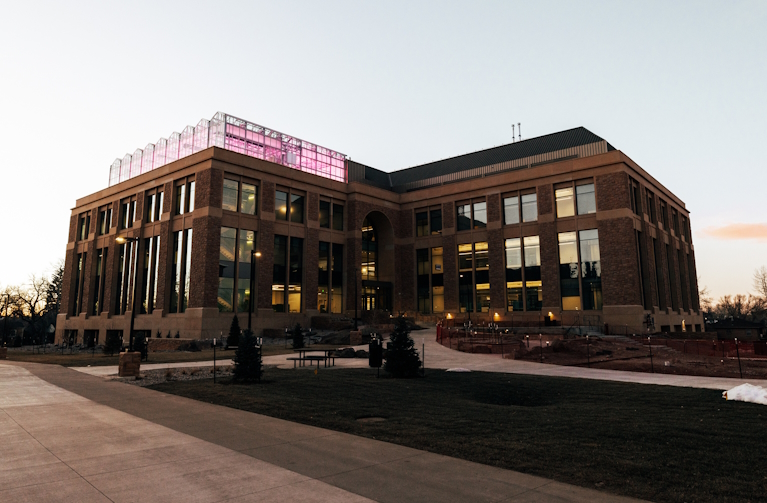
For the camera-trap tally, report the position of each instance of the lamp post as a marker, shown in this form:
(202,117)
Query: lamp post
(253,255)
(356,299)
(123,240)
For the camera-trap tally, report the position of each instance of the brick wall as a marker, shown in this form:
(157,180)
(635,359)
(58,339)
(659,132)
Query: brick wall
(493,209)
(612,192)
(496,258)
(89,270)
(545,200)
(209,188)
(450,272)
(448,216)
(648,268)
(353,254)
(620,270)
(166,201)
(94,220)
(267,204)
(313,206)
(109,277)
(204,268)
(72,228)
(406,218)
(404,290)
(67,293)
(547,233)
(140,207)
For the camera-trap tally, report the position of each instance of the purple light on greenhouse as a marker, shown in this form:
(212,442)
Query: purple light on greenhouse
(237,135)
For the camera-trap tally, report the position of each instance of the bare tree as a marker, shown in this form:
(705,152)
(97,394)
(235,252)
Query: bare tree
(706,302)
(750,307)
(760,281)
(28,302)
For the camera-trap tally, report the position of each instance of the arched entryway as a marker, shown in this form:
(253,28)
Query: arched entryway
(377,263)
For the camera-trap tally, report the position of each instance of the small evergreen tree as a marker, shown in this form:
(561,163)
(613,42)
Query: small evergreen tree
(402,359)
(234,332)
(112,343)
(247,358)
(139,344)
(159,334)
(298,337)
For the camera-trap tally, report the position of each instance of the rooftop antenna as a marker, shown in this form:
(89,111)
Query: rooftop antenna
(513,134)
(519,124)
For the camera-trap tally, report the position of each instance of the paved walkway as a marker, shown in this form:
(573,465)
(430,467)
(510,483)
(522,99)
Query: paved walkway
(440,357)
(68,436)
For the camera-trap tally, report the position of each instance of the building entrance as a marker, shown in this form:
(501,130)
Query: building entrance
(376,295)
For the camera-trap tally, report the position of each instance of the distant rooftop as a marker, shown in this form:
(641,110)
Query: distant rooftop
(238,135)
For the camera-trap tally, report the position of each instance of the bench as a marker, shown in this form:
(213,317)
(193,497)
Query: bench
(310,359)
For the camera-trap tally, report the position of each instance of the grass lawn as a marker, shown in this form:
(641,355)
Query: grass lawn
(653,442)
(85,358)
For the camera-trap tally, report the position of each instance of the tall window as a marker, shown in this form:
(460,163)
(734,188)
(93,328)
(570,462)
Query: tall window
(281,205)
(79,270)
(105,220)
(585,199)
(245,245)
(684,228)
(323,278)
(181,269)
(422,223)
(672,279)
(249,200)
(126,266)
(98,294)
(663,213)
(226,269)
(565,202)
(514,291)
(482,275)
(473,277)
(636,202)
(230,195)
(591,269)
(511,210)
(533,286)
(83,226)
(568,271)
(325,214)
(465,278)
(330,278)
(529,207)
(150,207)
(338,217)
(287,274)
(297,208)
(422,279)
(463,212)
(279,273)
(180,199)
(480,215)
(435,221)
(437,281)
(651,206)
(149,263)
(369,251)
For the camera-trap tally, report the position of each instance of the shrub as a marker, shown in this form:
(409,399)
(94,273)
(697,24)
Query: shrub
(401,357)
(234,332)
(177,335)
(168,336)
(247,359)
(113,343)
(298,337)
(159,335)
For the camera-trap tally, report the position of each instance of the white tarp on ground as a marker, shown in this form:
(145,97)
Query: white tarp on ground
(747,393)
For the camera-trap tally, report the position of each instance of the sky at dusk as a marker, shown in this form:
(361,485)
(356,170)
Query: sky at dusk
(677,86)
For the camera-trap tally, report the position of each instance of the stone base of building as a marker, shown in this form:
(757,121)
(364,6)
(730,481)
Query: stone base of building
(3,353)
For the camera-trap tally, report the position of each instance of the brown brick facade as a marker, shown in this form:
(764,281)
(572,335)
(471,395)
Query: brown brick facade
(266,262)
(450,275)
(209,188)
(493,208)
(313,206)
(547,233)
(612,191)
(620,270)
(311,266)
(496,258)
(545,199)
(206,241)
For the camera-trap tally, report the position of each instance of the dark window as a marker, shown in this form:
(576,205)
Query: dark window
(435,217)
(297,208)
(279,273)
(464,217)
(281,205)
(422,279)
(323,278)
(651,206)
(422,223)
(663,214)
(338,217)
(325,214)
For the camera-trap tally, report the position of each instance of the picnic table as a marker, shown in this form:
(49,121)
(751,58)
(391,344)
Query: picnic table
(302,357)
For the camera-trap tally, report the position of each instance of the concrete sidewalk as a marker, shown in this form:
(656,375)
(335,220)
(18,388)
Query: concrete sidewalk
(68,436)
(439,357)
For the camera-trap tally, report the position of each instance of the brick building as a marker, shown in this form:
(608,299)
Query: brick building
(562,228)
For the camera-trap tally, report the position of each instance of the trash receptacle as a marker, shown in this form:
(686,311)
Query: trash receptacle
(375,351)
